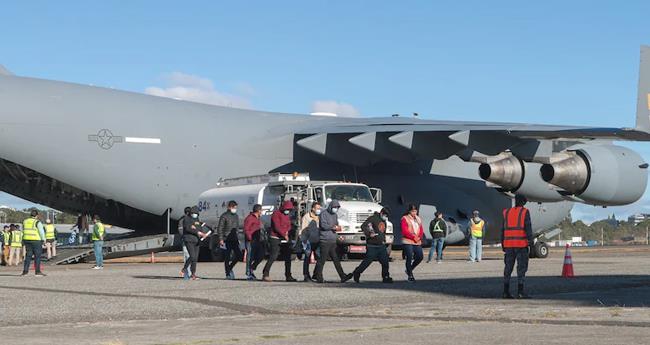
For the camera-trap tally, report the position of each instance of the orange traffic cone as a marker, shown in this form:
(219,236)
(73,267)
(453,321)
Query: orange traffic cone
(567,268)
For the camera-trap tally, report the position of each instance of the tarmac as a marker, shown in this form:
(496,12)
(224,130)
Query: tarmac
(455,302)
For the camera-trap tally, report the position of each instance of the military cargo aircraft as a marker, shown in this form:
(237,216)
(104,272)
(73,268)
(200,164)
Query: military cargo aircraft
(137,159)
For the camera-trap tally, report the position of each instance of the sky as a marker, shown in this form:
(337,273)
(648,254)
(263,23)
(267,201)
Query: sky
(553,62)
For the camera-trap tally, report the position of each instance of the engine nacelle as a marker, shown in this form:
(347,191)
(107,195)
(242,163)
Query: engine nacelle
(513,175)
(603,175)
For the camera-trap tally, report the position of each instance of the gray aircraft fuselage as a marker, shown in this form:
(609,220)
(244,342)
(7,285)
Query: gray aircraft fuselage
(129,157)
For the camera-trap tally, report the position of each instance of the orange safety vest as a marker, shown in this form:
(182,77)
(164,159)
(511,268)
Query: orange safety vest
(514,229)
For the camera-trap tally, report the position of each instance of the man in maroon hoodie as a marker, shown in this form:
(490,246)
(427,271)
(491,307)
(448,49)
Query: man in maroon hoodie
(279,242)
(254,248)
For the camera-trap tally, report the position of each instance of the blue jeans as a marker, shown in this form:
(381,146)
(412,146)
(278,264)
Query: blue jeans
(98,247)
(413,257)
(34,248)
(437,245)
(475,248)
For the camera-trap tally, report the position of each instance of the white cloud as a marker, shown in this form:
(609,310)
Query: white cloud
(198,89)
(334,107)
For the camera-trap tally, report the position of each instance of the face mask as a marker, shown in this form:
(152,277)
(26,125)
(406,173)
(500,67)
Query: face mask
(233,210)
(317,212)
(384,218)
(335,209)
(194,215)
(286,212)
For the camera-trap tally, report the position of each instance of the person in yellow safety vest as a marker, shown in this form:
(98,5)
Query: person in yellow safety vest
(4,246)
(50,239)
(33,237)
(16,246)
(98,242)
(476,234)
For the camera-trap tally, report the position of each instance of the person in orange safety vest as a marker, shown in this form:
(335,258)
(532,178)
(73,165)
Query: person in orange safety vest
(516,240)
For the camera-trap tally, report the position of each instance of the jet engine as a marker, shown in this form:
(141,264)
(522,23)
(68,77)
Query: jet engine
(513,175)
(603,175)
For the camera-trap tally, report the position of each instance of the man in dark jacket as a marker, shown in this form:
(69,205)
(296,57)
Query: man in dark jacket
(374,228)
(228,240)
(516,242)
(254,248)
(279,242)
(329,226)
(192,233)
(438,231)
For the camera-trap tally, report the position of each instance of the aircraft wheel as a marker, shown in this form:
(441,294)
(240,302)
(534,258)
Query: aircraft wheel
(541,250)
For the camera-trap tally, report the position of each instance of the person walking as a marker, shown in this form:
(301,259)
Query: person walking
(438,231)
(228,239)
(279,242)
(476,233)
(412,233)
(309,236)
(192,233)
(98,242)
(328,227)
(33,237)
(186,255)
(374,228)
(516,237)
(254,247)
(16,246)
(50,239)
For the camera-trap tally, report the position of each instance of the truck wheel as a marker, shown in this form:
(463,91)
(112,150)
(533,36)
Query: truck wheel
(541,250)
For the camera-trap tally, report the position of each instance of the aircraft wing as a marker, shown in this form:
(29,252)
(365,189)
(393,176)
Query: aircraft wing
(412,138)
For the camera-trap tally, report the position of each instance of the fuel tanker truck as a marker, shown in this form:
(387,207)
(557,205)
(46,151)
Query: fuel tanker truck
(357,200)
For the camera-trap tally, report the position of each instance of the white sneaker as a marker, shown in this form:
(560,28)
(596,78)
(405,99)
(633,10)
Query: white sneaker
(97,268)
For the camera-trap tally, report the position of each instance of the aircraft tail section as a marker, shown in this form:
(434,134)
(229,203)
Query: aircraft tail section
(643,100)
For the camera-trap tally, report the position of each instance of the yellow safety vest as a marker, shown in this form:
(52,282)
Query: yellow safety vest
(98,232)
(30,230)
(477,228)
(16,239)
(6,235)
(49,231)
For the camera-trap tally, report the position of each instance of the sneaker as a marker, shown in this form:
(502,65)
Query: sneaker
(428,261)
(252,275)
(195,277)
(356,277)
(290,279)
(41,274)
(347,277)
(96,268)
(228,277)
(23,274)
(412,279)
(387,280)
(186,277)
(267,279)
(250,278)
(183,274)
(507,295)
(470,261)
(438,261)
(307,279)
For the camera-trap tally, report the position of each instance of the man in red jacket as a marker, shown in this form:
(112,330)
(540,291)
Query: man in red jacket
(279,242)
(254,249)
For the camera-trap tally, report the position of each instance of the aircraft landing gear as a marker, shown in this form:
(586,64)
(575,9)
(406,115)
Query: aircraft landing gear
(540,250)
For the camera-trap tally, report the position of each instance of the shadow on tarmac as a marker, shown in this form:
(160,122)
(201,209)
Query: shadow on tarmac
(594,290)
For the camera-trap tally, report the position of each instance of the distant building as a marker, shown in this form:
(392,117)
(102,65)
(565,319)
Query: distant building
(638,218)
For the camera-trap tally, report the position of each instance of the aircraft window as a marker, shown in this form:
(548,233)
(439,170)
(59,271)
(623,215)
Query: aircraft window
(348,193)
